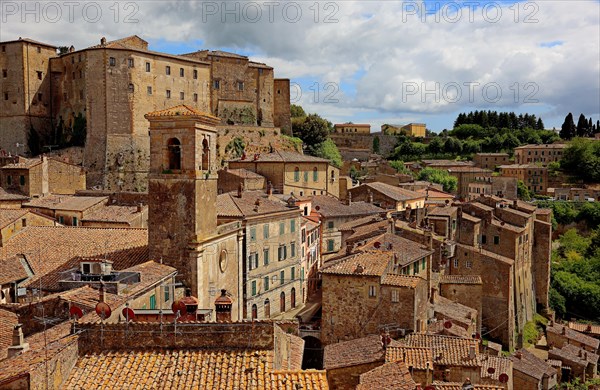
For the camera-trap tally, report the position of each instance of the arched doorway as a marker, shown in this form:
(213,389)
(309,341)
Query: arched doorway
(267,308)
(254,312)
(293,297)
(282,302)
(174,153)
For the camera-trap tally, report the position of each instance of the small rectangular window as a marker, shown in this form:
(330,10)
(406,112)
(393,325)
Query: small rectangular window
(330,225)
(5,95)
(181,72)
(195,97)
(149,90)
(130,62)
(240,85)
(195,74)
(168,94)
(395,296)
(416,267)
(292,225)
(253,287)
(330,244)
(39,75)
(455,263)
(266,283)
(112,61)
(167,294)
(22,180)
(61,219)
(468,264)
(496,240)
(181,96)
(74,221)
(293,249)
(147,67)
(168,70)
(483,239)
(5,73)
(39,49)
(282,277)
(372,291)
(293,277)
(216,84)
(253,233)
(266,256)
(130,88)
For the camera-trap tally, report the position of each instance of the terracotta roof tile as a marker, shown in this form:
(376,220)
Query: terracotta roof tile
(396,193)
(542,146)
(251,203)
(401,280)
(447,350)
(8,216)
(493,366)
(244,173)
(14,269)
(65,202)
(49,247)
(180,110)
(370,230)
(354,352)
(529,364)
(7,196)
(371,263)
(415,357)
(330,207)
(469,169)
(355,223)
(461,279)
(406,251)
(390,376)
(293,380)
(281,156)
(454,311)
(571,334)
(459,386)
(573,354)
(585,328)
(113,214)
(7,322)
(24,163)
(443,211)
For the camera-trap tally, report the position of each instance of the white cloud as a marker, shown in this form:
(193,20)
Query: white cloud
(380,38)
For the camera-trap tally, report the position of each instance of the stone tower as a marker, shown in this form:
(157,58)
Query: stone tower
(182,187)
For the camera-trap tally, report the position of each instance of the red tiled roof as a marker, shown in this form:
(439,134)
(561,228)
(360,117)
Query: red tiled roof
(401,280)
(13,269)
(406,251)
(571,334)
(252,203)
(49,247)
(180,110)
(282,156)
(498,364)
(354,352)
(65,202)
(459,386)
(330,207)
(527,363)
(419,358)
(447,350)
(7,322)
(393,192)
(370,263)
(8,196)
(8,216)
(461,279)
(390,376)
(113,213)
(585,328)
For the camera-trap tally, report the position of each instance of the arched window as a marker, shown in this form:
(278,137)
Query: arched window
(267,308)
(174,153)
(205,155)
(293,297)
(282,302)
(254,312)
(315,174)
(296,174)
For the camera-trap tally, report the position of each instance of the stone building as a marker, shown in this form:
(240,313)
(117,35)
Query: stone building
(490,160)
(310,237)
(388,197)
(333,214)
(504,187)
(531,372)
(11,200)
(108,88)
(544,153)
(578,194)
(42,176)
(231,179)
(25,91)
(271,251)
(353,128)
(13,221)
(466,175)
(367,289)
(561,335)
(583,364)
(66,209)
(183,230)
(534,176)
(293,173)
(411,129)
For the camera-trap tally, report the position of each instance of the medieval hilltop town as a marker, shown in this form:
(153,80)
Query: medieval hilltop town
(165,222)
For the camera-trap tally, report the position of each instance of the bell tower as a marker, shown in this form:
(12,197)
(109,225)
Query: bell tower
(182,186)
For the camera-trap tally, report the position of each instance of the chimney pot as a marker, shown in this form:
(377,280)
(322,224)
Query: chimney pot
(223,306)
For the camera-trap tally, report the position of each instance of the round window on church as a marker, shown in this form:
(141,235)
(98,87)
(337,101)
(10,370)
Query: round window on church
(223,260)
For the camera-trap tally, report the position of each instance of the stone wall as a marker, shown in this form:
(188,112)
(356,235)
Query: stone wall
(365,142)
(281,111)
(347,378)
(541,255)
(138,335)
(65,178)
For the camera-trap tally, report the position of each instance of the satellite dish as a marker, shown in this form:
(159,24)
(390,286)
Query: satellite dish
(477,336)
(448,324)
(503,378)
(491,370)
(317,208)
(430,388)
(103,310)
(75,311)
(128,314)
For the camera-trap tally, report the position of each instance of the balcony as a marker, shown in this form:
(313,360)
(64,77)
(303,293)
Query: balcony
(114,282)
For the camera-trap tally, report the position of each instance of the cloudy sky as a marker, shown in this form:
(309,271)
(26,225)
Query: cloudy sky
(366,61)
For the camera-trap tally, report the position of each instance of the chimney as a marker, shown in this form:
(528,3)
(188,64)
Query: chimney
(392,225)
(471,352)
(349,198)
(269,188)
(103,41)
(240,190)
(140,207)
(102,292)
(369,196)
(18,342)
(564,330)
(349,248)
(429,237)
(467,385)
(519,355)
(223,307)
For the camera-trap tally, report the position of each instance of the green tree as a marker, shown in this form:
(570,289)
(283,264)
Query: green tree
(327,149)
(236,147)
(297,111)
(398,165)
(376,145)
(582,159)
(439,176)
(522,191)
(568,128)
(582,126)
(312,129)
